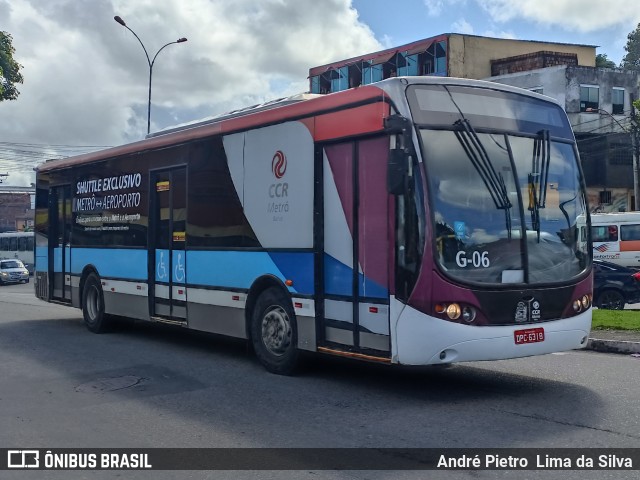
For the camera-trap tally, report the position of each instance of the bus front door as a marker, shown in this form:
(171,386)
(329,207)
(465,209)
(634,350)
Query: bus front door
(59,243)
(356,241)
(167,255)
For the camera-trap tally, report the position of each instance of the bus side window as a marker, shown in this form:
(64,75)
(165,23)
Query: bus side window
(604,233)
(630,232)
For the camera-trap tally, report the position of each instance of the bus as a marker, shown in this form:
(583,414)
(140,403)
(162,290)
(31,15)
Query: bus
(615,237)
(413,221)
(18,245)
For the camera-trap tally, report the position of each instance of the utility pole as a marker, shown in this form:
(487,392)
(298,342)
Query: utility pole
(635,127)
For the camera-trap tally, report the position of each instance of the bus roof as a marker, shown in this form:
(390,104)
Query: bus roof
(278,111)
(615,217)
(252,117)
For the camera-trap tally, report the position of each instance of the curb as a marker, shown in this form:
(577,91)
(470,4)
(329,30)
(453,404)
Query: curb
(613,346)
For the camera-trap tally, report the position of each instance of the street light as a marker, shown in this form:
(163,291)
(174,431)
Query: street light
(634,146)
(150,62)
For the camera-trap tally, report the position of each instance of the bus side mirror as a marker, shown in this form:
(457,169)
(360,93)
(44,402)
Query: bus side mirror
(398,164)
(397,171)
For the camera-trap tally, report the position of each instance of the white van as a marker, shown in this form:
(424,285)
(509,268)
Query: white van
(615,237)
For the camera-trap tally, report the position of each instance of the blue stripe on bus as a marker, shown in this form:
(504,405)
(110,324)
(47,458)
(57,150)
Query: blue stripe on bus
(338,278)
(237,269)
(339,281)
(231,269)
(42,259)
(297,267)
(115,263)
(57,259)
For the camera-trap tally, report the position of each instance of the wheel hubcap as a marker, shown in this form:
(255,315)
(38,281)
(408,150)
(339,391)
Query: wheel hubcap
(92,303)
(276,330)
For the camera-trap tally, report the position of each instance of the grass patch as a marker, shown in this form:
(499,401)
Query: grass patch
(615,320)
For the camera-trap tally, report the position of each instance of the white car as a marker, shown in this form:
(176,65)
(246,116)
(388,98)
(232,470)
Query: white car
(13,271)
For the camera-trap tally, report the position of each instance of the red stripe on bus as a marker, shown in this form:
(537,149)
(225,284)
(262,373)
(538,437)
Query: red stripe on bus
(629,245)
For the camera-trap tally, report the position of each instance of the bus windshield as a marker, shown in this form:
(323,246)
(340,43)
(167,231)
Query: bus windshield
(505,192)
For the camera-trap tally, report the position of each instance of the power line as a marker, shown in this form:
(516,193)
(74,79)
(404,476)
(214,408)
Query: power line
(23,157)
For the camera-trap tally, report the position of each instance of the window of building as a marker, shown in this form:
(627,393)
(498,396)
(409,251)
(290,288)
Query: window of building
(589,98)
(617,101)
(371,73)
(340,79)
(620,150)
(605,197)
(315,84)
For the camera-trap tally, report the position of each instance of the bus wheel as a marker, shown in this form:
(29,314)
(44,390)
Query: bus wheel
(611,300)
(273,332)
(93,305)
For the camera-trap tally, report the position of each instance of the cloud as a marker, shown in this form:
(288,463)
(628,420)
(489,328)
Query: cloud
(87,77)
(462,26)
(577,15)
(436,7)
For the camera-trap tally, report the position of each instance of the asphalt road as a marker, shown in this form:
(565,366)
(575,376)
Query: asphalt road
(152,386)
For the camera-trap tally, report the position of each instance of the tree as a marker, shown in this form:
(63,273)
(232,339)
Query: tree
(603,62)
(9,69)
(631,60)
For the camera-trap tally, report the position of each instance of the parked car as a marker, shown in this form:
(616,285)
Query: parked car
(13,271)
(614,285)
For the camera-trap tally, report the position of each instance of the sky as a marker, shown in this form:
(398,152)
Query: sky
(86,77)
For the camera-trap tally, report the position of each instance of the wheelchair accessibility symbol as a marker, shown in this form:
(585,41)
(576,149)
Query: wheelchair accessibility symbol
(178,272)
(162,274)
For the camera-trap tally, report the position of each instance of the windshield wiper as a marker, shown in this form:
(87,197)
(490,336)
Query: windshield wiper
(539,177)
(493,180)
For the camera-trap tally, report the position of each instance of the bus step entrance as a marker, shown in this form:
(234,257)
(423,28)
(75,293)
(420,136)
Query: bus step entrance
(169,321)
(349,354)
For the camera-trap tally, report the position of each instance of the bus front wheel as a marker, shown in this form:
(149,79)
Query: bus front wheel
(93,305)
(274,332)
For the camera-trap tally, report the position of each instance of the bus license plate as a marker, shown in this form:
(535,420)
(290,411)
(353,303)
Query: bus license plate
(530,335)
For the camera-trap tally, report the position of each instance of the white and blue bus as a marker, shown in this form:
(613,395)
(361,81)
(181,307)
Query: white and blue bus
(414,221)
(18,245)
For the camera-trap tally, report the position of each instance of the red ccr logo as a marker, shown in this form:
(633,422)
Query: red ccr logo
(279,164)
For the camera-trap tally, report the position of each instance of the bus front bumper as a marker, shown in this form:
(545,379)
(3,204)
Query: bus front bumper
(425,340)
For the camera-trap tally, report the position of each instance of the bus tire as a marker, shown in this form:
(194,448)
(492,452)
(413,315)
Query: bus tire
(610,300)
(93,305)
(274,332)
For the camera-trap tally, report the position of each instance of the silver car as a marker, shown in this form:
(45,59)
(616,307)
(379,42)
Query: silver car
(13,271)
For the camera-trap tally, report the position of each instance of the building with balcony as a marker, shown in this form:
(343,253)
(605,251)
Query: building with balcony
(598,103)
(449,54)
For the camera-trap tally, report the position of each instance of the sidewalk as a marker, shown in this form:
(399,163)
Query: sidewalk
(614,341)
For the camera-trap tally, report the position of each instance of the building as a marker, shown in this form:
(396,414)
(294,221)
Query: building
(16,208)
(597,101)
(449,54)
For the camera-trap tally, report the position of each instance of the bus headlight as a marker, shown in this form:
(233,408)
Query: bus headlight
(586,301)
(454,311)
(468,314)
(577,306)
